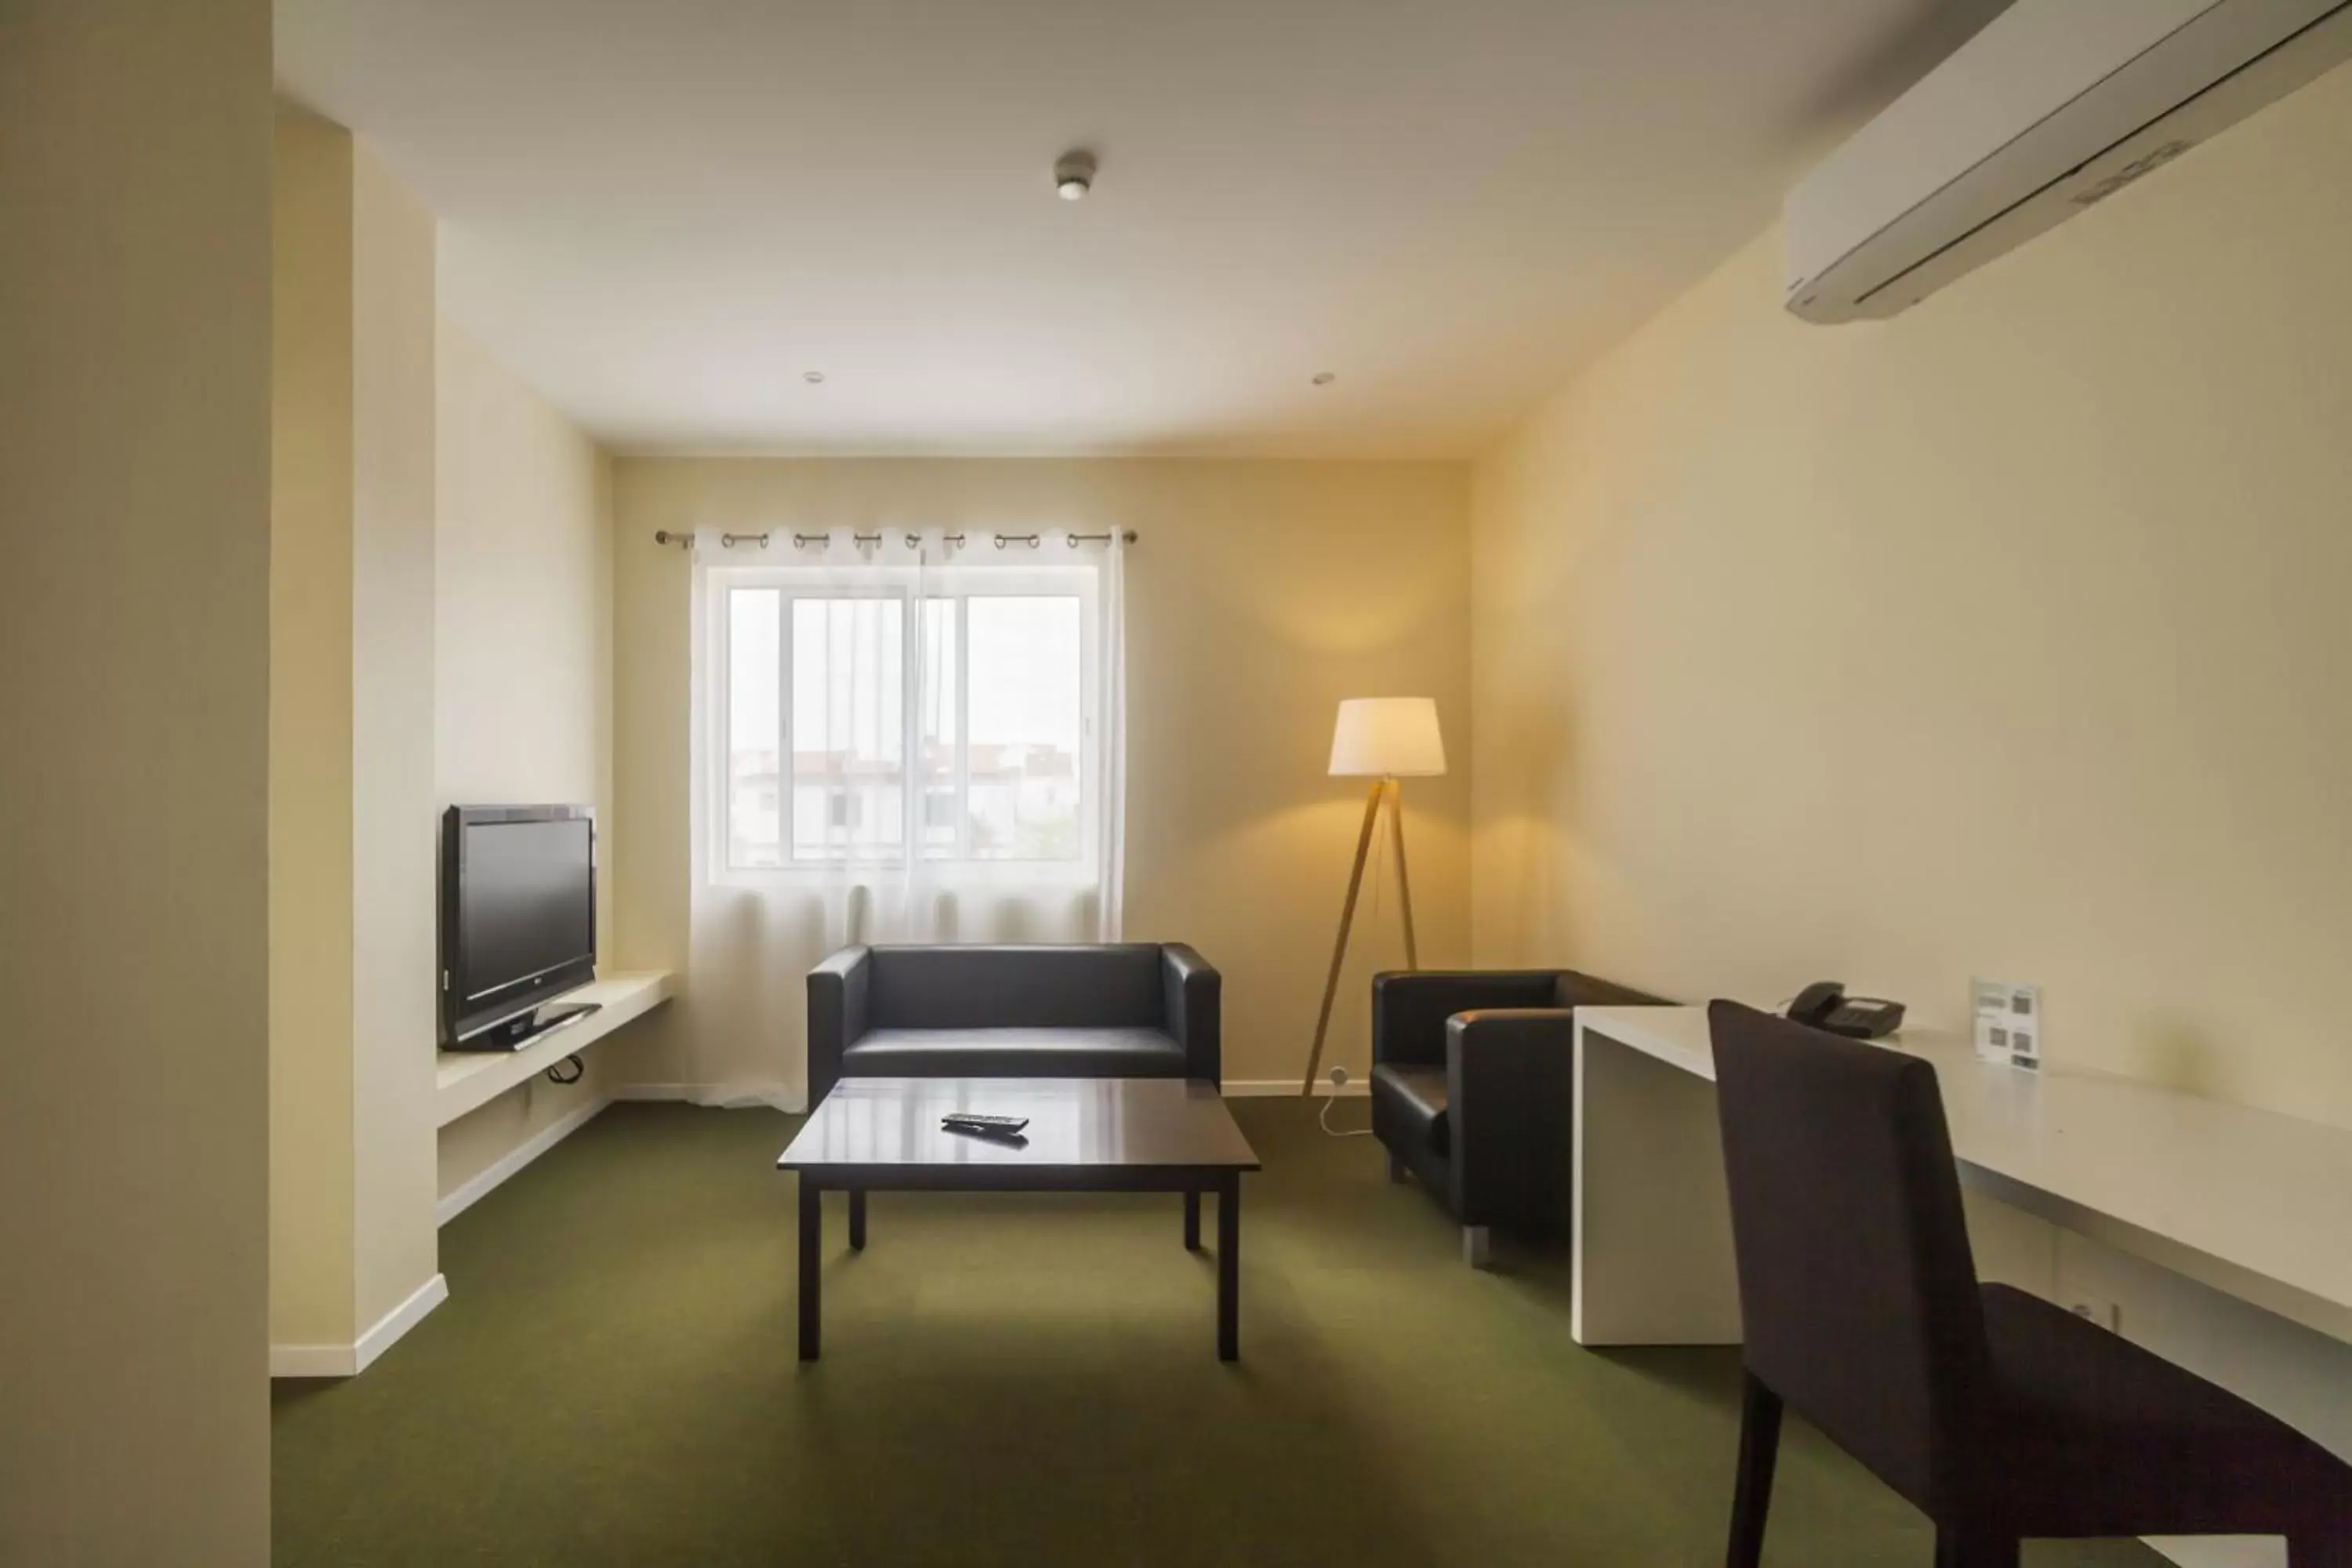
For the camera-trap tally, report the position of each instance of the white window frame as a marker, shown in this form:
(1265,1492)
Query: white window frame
(961,585)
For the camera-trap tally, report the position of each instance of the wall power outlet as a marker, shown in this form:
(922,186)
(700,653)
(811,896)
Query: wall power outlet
(2100,1310)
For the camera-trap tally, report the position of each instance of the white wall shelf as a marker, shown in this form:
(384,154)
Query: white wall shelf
(468,1080)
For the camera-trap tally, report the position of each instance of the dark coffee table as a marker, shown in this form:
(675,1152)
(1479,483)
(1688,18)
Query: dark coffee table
(1085,1135)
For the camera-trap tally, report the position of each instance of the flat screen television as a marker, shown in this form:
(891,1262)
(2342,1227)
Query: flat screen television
(517,918)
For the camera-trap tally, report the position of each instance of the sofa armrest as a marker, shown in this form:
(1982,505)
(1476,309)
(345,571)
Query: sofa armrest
(1509,1091)
(1193,999)
(837,998)
(1410,1007)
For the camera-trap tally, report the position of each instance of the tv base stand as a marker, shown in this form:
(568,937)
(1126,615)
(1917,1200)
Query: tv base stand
(525,1027)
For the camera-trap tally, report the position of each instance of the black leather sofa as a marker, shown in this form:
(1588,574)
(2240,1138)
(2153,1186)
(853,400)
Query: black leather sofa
(1472,1089)
(1124,1010)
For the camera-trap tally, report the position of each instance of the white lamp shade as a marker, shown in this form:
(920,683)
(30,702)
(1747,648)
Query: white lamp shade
(1394,736)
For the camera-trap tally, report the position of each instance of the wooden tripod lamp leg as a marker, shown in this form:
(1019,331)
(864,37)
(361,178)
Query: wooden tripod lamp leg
(1404,884)
(1339,948)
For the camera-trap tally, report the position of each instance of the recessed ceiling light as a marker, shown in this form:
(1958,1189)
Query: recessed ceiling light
(1074,174)
(1325,377)
(813,376)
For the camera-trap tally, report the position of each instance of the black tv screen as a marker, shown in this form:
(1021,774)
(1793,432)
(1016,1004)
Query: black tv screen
(519,914)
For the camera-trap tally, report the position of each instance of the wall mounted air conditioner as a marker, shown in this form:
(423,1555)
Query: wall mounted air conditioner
(2053,106)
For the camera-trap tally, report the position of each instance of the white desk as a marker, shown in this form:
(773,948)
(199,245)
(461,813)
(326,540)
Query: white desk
(2256,1204)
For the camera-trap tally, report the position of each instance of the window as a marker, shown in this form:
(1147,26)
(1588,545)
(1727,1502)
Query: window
(863,711)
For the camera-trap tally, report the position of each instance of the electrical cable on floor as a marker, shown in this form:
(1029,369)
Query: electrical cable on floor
(1323,1118)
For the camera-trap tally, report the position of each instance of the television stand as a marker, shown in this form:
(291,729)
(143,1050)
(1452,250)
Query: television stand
(537,1023)
(468,1080)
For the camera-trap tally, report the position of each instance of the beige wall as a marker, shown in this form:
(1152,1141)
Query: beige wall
(394,935)
(523,659)
(312,1297)
(134,498)
(2003,638)
(351,838)
(1261,594)
(479,1140)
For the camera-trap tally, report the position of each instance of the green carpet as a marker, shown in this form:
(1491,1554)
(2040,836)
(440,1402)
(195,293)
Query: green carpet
(1021,1379)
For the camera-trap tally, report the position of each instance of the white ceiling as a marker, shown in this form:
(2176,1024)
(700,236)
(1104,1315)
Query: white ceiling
(661,212)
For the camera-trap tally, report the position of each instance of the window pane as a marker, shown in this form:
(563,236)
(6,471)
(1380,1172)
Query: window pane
(939,696)
(862,724)
(754,815)
(848,729)
(1022,763)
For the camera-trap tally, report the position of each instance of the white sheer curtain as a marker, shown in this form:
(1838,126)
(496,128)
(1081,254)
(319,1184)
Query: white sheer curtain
(896,737)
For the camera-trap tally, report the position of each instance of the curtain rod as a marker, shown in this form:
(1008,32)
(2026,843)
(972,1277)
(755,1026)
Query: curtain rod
(803,540)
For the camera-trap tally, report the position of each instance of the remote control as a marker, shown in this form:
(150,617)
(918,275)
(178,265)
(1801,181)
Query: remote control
(1002,1135)
(977,1123)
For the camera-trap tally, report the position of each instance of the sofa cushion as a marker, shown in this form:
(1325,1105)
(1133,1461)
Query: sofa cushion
(1117,986)
(1413,1099)
(1014,1053)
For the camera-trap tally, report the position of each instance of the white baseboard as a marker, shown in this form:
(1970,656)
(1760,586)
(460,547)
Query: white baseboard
(400,1319)
(2218,1551)
(312,1361)
(729,1095)
(1256,1088)
(350,1360)
(521,1154)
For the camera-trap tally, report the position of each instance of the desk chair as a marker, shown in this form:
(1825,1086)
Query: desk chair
(1995,1414)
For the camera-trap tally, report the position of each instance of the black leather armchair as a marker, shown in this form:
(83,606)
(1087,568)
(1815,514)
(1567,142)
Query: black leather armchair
(1472,1089)
(1122,1010)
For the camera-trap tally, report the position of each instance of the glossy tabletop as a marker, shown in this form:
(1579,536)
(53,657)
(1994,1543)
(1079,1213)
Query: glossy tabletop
(1075,1124)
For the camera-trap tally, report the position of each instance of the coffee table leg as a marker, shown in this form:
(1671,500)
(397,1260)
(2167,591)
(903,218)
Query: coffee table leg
(1229,1268)
(858,1219)
(1192,1221)
(812,1235)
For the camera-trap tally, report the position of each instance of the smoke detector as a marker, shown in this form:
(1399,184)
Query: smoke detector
(1074,174)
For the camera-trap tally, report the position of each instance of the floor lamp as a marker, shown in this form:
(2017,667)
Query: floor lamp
(1384,739)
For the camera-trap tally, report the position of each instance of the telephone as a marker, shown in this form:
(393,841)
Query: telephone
(1825,1005)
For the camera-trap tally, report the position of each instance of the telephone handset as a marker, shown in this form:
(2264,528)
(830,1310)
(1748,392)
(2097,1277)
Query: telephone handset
(1825,1005)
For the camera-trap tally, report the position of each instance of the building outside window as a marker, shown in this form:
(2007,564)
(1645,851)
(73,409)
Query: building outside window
(950,710)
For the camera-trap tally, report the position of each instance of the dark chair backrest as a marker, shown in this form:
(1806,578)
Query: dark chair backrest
(1856,1284)
(1409,1006)
(1099,987)
(1573,990)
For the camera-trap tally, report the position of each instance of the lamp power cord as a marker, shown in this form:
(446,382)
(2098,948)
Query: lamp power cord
(1323,1117)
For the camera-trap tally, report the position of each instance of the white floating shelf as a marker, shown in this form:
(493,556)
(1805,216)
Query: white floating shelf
(468,1080)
